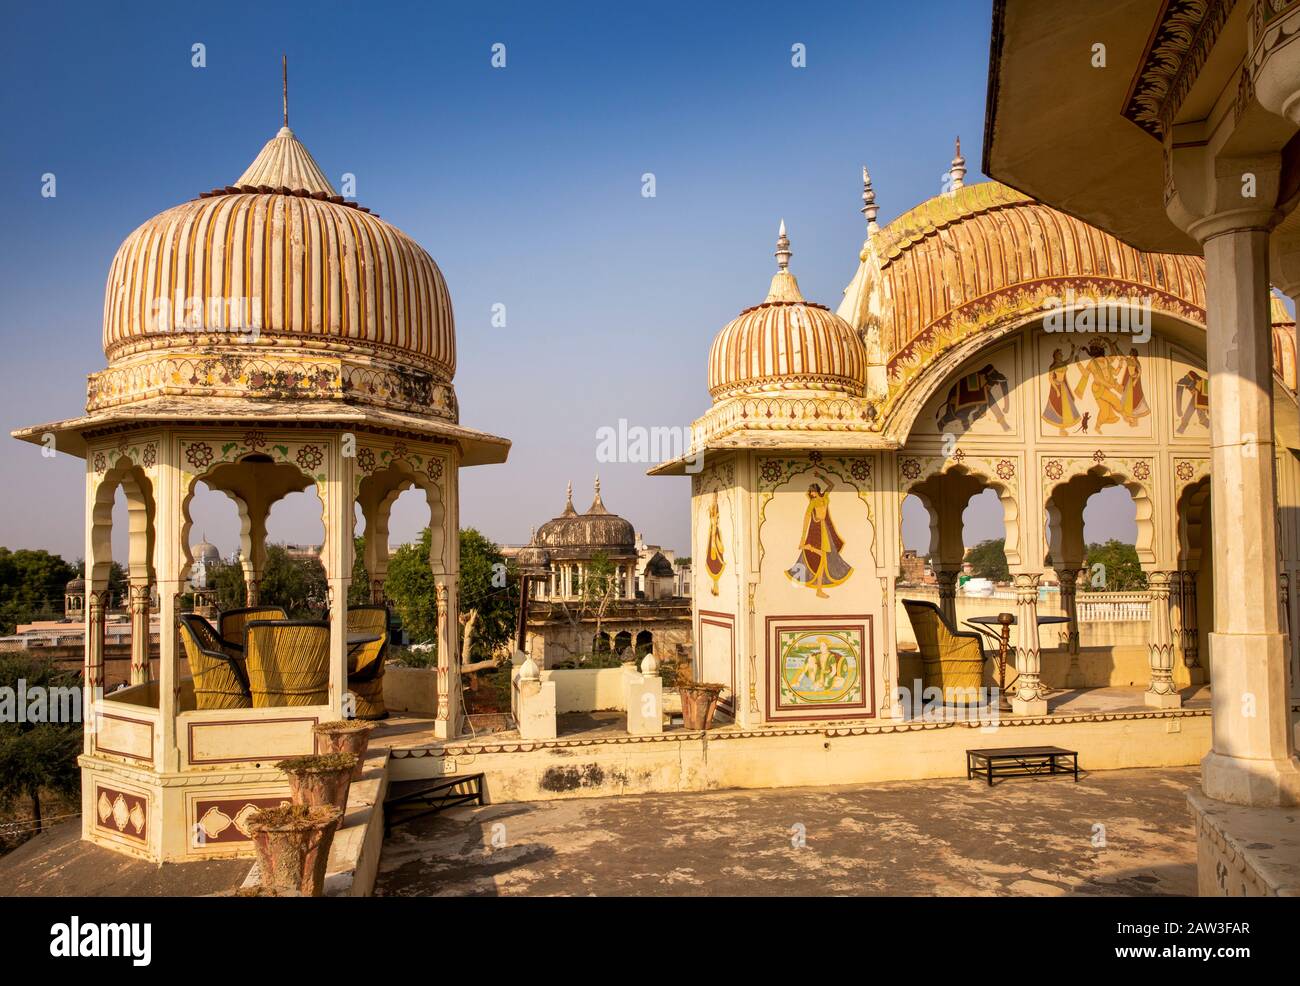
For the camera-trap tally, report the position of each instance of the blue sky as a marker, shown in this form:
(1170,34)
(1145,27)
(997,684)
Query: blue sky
(524,183)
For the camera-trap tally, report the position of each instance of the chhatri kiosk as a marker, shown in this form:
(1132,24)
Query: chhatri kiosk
(985,342)
(263,338)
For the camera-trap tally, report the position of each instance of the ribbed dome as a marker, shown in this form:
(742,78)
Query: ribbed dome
(575,535)
(281,254)
(786,343)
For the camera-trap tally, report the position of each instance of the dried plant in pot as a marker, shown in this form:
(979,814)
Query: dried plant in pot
(345,736)
(699,703)
(320,779)
(293,846)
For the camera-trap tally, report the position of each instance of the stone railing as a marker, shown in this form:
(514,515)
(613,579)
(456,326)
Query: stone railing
(1114,607)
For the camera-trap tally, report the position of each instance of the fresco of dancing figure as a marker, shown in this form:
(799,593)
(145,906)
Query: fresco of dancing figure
(1108,391)
(1061,412)
(819,565)
(714,556)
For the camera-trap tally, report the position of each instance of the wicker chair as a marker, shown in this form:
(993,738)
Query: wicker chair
(288,662)
(234,621)
(366,664)
(219,680)
(951,660)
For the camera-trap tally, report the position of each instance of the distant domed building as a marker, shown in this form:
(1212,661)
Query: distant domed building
(643,613)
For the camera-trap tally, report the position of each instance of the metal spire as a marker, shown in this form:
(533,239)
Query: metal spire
(284,69)
(869,207)
(782,249)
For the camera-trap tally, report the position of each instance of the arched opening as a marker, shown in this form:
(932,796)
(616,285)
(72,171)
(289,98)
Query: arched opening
(622,641)
(1196,583)
(645,643)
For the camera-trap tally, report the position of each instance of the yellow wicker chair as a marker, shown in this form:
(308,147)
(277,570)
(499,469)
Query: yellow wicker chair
(288,662)
(951,660)
(366,663)
(219,680)
(233,622)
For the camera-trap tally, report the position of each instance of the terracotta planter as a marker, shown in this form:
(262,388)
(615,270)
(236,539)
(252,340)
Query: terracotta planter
(320,779)
(699,703)
(345,736)
(293,846)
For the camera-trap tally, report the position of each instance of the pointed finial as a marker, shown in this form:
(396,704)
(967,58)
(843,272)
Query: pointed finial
(957,173)
(597,484)
(782,249)
(869,207)
(284,69)
(568,493)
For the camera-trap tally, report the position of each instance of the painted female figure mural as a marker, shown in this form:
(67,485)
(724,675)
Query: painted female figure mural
(714,559)
(1061,412)
(1113,395)
(1134,402)
(819,565)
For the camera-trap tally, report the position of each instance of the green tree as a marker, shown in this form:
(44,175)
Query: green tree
(988,560)
(488,590)
(36,757)
(293,581)
(32,584)
(359,590)
(1114,567)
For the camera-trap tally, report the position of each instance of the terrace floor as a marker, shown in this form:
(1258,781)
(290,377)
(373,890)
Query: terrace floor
(1115,833)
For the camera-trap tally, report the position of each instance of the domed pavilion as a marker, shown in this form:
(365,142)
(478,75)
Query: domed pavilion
(563,547)
(266,337)
(984,342)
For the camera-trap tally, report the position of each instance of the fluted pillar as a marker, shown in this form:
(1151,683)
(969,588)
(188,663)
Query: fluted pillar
(96,616)
(138,595)
(1070,579)
(1161,693)
(1030,698)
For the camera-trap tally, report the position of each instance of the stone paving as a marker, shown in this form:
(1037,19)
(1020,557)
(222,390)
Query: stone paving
(1120,833)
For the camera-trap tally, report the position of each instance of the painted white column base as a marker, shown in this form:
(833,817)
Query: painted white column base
(536,710)
(1030,707)
(645,705)
(1163,700)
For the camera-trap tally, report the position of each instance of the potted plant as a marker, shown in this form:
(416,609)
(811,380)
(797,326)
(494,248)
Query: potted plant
(320,779)
(293,846)
(345,736)
(699,703)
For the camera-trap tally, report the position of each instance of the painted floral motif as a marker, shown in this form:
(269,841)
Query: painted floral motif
(310,457)
(400,450)
(255,440)
(434,469)
(1099,456)
(149,456)
(100,463)
(910,468)
(1006,469)
(815,457)
(1184,470)
(772,471)
(199,454)
(860,469)
(1054,469)
(366,459)
(1141,470)
(958,455)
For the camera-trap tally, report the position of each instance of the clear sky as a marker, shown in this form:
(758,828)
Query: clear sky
(523,182)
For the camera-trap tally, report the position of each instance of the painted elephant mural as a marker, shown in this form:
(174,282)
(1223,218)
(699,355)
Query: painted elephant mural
(975,395)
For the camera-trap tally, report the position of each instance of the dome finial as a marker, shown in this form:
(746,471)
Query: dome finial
(284,69)
(782,249)
(568,493)
(957,173)
(869,207)
(597,484)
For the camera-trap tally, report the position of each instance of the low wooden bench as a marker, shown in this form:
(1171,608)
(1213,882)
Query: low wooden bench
(1021,761)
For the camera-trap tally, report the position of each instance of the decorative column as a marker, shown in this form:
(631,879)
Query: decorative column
(1189,630)
(96,616)
(1161,693)
(1030,698)
(947,578)
(138,595)
(450,705)
(1252,759)
(1070,579)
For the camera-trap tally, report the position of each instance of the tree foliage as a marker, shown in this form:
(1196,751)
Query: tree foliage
(295,582)
(1114,567)
(36,757)
(488,587)
(32,585)
(988,560)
